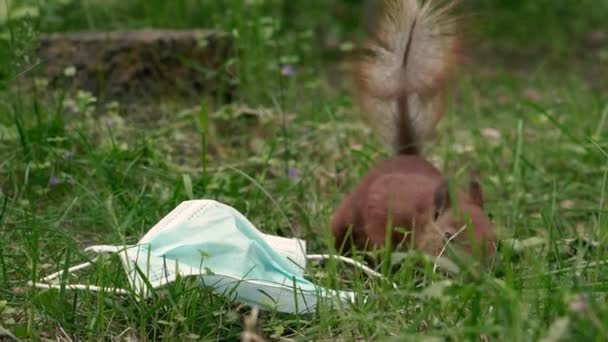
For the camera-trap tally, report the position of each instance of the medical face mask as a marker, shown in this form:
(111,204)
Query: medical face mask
(225,252)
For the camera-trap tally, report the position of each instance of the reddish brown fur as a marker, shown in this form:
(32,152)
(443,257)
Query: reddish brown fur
(407,192)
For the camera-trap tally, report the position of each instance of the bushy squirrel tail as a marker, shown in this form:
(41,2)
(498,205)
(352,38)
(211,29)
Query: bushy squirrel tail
(400,78)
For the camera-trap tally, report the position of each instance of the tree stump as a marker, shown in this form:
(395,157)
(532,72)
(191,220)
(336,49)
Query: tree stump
(139,65)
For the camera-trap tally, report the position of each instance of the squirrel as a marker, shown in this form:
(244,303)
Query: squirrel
(401,81)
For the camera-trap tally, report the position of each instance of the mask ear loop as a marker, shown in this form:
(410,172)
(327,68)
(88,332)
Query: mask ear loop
(362,267)
(44,282)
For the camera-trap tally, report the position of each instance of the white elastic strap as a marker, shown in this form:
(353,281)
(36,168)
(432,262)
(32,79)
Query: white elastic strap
(105,249)
(79,287)
(70,270)
(114,249)
(45,285)
(365,269)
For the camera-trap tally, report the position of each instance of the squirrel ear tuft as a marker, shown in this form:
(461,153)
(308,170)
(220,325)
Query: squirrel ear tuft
(475,190)
(441,199)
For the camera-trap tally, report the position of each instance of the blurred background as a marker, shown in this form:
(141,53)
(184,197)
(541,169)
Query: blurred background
(274,79)
(315,33)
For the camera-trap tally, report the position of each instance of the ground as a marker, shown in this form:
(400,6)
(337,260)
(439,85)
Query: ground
(528,111)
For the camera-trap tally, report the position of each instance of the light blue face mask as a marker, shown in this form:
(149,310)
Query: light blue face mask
(217,244)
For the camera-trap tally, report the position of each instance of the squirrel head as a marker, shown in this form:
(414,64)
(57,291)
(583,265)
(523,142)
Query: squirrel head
(449,224)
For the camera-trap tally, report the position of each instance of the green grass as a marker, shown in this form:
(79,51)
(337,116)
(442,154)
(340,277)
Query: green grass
(74,172)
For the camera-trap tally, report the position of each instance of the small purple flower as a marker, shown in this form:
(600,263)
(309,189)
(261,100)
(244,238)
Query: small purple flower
(54,180)
(292,173)
(288,71)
